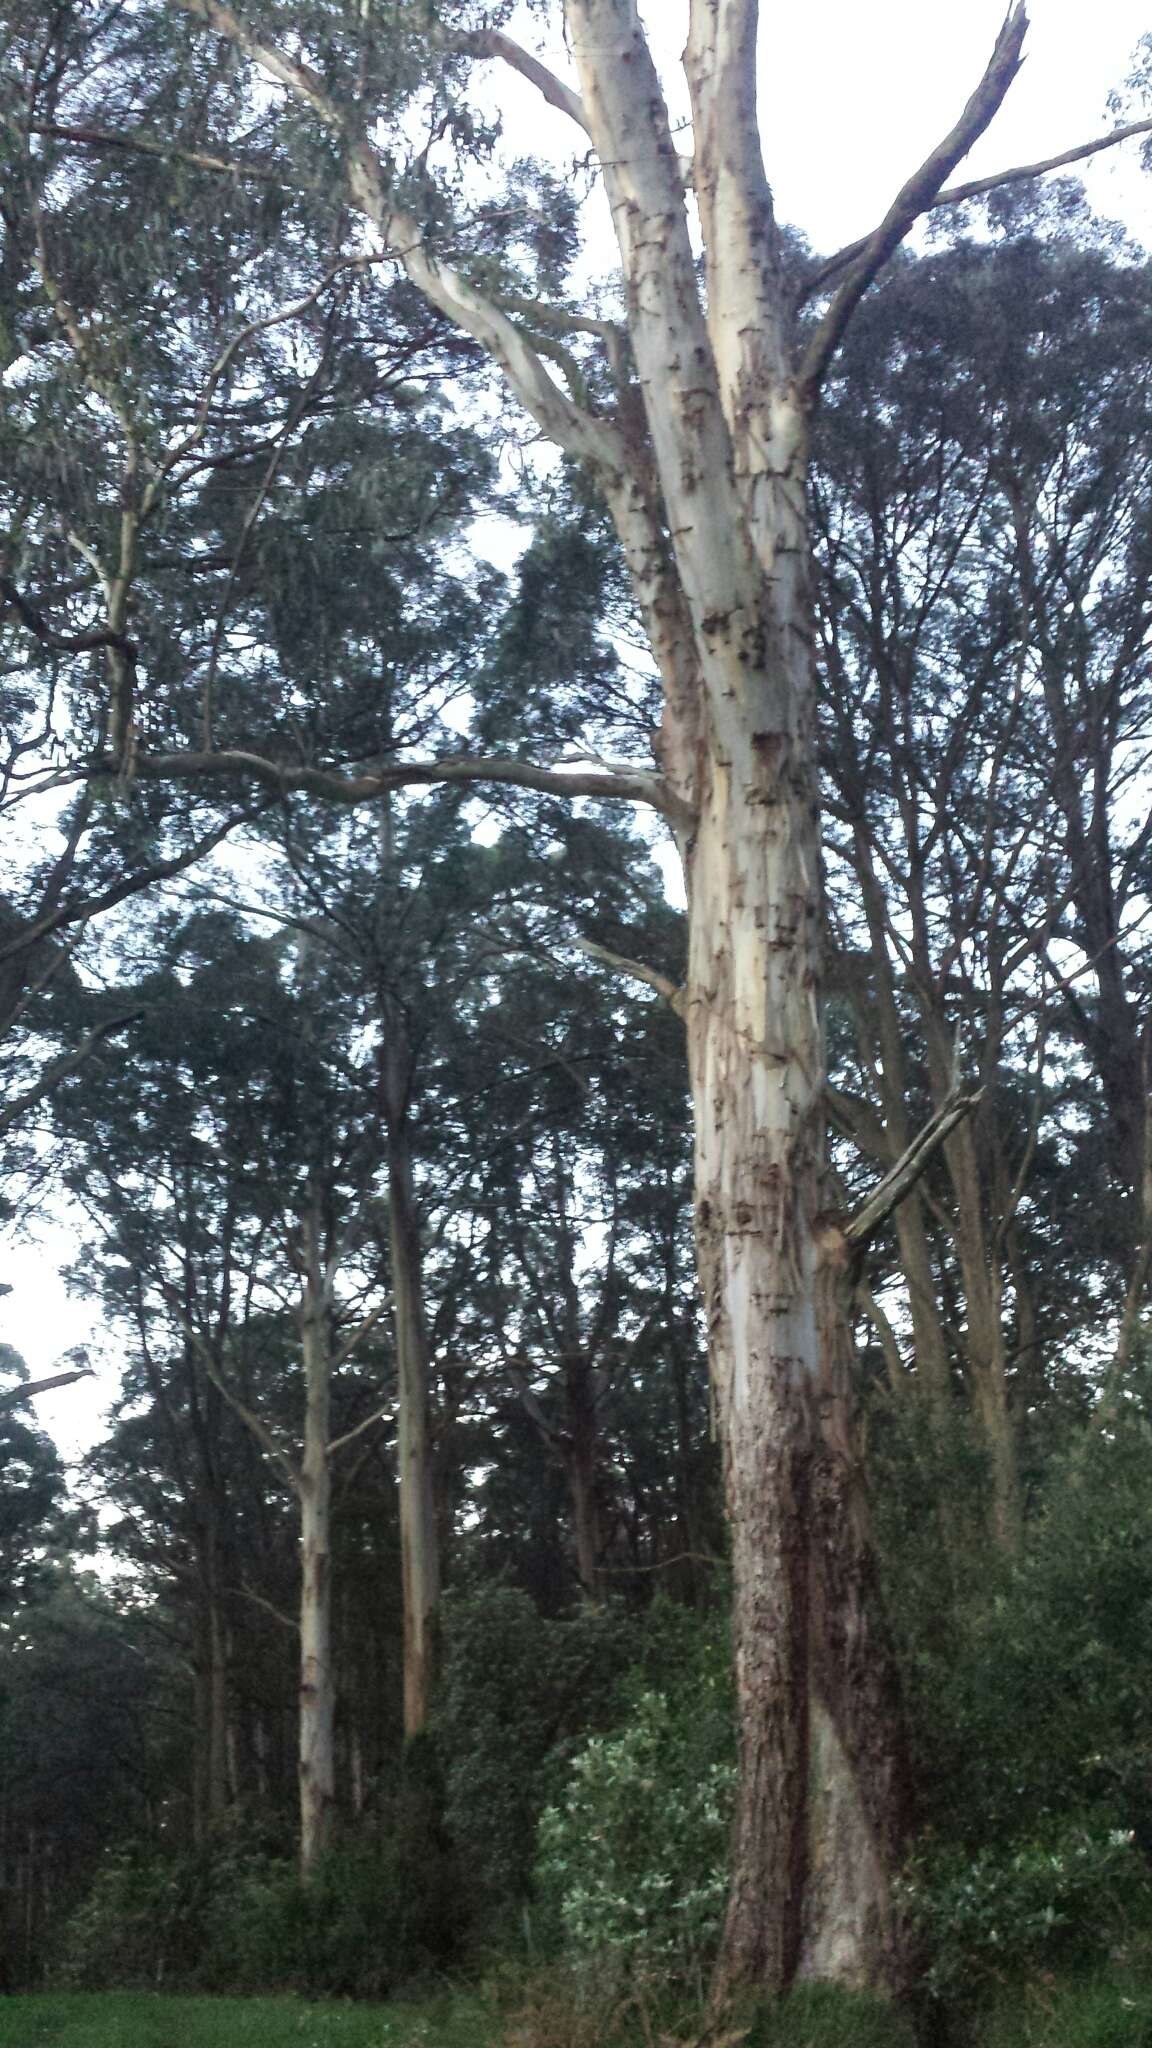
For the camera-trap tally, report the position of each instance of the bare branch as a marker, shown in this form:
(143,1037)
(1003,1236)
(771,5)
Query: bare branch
(902,1178)
(59,1070)
(16,1396)
(275,1451)
(358,1334)
(632,784)
(559,316)
(957,195)
(79,910)
(492,43)
(913,199)
(286,1620)
(636,970)
(143,145)
(61,643)
(387,1408)
(269,1443)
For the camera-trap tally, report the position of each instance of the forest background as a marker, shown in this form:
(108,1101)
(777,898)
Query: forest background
(387,1174)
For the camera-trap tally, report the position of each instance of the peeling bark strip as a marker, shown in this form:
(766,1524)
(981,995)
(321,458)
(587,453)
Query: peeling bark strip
(703,467)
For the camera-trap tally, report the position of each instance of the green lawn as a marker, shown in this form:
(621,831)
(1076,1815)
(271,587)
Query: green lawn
(1086,2014)
(141,2019)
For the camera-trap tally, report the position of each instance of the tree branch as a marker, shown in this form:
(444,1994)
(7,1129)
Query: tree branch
(630,784)
(62,643)
(491,42)
(902,1178)
(269,1443)
(580,433)
(16,1396)
(956,195)
(378,1414)
(79,910)
(59,1070)
(913,199)
(142,145)
(362,1328)
(636,970)
(287,1621)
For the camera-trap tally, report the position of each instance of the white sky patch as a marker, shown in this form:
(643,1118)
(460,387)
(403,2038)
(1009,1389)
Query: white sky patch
(852,99)
(42,1320)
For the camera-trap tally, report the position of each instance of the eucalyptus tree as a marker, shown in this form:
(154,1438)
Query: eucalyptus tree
(983,515)
(572,1193)
(232,1198)
(691,412)
(152,418)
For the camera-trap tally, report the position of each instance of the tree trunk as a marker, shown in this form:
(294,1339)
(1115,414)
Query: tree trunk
(317,1684)
(579,1446)
(419,1535)
(818,1804)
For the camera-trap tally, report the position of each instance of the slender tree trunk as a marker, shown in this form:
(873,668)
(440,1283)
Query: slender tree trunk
(317,1682)
(933,1366)
(218,1721)
(419,1535)
(985,1346)
(579,1444)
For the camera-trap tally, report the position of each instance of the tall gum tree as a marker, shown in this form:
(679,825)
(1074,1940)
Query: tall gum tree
(702,461)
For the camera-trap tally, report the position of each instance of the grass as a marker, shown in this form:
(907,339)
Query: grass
(142,2019)
(1098,2012)
(1104,2011)
(817,2016)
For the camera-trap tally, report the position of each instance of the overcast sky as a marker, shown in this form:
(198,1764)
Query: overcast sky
(853,97)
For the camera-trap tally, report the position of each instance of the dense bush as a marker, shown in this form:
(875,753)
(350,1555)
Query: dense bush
(1059,1902)
(633,1856)
(518,1693)
(1030,1692)
(225,1918)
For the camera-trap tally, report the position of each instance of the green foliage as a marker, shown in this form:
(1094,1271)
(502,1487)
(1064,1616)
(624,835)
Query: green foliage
(224,1918)
(1031,1694)
(633,1856)
(90,1706)
(517,1692)
(1058,1901)
(369,1919)
(31,1489)
(143,1917)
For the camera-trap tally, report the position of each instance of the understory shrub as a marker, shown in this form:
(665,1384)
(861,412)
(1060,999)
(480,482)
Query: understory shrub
(632,1860)
(369,1918)
(518,1692)
(1058,1902)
